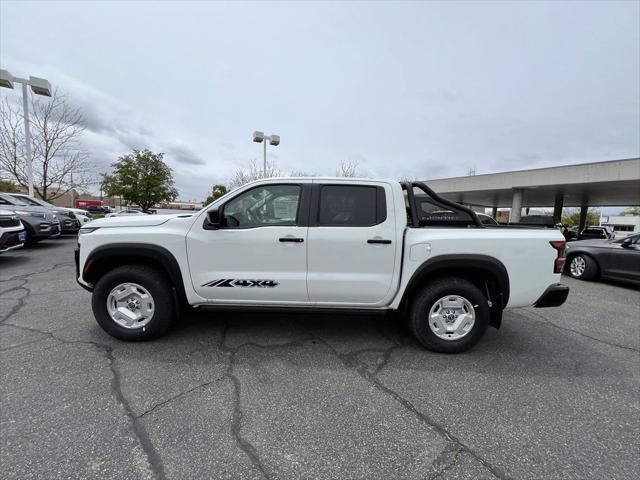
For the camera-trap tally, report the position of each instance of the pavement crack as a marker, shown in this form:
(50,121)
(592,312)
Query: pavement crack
(443,464)
(350,360)
(175,397)
(236,418)
(566,329)
(23,344)
(153,458)
(25,279)
(21,301)
(25,276)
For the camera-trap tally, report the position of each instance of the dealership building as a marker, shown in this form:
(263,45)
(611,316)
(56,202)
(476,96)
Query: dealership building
(612,183)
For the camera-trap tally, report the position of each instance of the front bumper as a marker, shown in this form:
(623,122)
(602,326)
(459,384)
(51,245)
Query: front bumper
(12,240)
(76,257)
(70,225)
(55,230)
(554,296)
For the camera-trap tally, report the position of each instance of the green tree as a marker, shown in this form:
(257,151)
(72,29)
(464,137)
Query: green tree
(631,211)
(8,186)
(571,217)
(216,192)
(141,178)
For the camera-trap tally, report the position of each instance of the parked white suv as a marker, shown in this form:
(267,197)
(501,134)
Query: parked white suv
(335,244)
(12,233)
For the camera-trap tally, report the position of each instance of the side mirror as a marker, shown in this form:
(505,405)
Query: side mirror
(213,219)
(626,243)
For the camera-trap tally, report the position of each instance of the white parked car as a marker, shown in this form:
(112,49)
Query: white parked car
(83,218)
(124,213)
(331,244)
(12,232)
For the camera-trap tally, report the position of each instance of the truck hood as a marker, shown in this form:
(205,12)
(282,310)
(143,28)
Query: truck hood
(134,221)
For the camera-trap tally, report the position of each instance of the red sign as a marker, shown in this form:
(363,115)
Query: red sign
(87,203)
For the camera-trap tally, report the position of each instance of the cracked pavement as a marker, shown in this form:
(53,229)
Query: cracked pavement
(554,394)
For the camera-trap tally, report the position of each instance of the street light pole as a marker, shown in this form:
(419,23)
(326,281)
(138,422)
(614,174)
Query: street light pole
(39,86)
(27,136)
(264,159)
(260,137)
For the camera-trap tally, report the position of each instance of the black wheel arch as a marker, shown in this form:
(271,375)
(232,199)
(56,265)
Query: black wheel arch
(107,257)
(487,273)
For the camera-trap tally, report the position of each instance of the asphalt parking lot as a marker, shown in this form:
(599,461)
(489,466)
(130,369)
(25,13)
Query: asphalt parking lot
(554,394)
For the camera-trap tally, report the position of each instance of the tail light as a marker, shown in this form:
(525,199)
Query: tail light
(558,263)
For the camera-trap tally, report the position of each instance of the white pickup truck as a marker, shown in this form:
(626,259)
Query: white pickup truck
(316,243)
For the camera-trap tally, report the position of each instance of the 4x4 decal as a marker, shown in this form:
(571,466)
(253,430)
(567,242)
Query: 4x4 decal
(231,282)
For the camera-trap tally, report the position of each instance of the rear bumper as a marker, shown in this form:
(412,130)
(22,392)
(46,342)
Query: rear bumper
(554,296)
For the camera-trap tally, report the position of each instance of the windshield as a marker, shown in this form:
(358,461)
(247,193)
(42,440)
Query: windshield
(9,200)
(634,238)
(31,201)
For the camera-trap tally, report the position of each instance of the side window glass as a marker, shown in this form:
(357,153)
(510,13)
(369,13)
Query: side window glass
(268,205)
(351,206)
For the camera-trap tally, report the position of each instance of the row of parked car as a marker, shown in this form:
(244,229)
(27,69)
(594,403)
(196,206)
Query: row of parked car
(27,220)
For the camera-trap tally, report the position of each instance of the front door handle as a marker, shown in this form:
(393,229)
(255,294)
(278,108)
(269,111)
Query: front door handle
(292,239)
(379,240)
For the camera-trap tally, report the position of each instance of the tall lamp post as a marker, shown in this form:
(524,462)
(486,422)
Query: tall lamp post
(39,86)
(260,137)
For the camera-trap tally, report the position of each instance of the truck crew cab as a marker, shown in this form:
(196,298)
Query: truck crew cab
(333,244)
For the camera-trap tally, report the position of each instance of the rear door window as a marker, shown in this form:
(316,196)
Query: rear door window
(351,206)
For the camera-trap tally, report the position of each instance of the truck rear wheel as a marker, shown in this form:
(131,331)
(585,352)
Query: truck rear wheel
(134,303)
(449,315)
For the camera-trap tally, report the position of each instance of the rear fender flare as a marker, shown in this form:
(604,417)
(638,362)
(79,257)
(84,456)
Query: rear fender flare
(465,266)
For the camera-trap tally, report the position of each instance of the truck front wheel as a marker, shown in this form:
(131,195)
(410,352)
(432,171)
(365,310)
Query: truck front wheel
(449,315)
(133,303)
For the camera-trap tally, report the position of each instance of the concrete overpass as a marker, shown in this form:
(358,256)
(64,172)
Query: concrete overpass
(610,183)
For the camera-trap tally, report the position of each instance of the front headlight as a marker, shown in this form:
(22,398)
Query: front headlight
(24,213)
(85,230)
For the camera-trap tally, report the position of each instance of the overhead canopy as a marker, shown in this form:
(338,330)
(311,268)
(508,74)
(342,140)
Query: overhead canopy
(610,183)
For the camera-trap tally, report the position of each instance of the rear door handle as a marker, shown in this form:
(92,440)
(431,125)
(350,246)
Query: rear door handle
(379,240)
(292,239)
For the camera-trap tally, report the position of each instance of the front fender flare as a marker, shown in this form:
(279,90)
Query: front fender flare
(105,257)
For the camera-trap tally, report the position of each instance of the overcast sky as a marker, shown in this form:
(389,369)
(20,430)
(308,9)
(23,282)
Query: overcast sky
(416,89)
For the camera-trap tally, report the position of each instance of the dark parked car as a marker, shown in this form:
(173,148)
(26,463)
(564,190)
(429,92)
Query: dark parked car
(38,222)
(615,259)
(542,220)
(68,221)
(594,233)
(487,220)
(99,209)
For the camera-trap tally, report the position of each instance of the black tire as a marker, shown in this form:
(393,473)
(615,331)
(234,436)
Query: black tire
(31,240)
(429,295)
(590,267)
(155,282)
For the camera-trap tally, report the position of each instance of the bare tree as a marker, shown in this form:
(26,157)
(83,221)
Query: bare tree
(348,169)
(60,163)
(253,172)
(301,173)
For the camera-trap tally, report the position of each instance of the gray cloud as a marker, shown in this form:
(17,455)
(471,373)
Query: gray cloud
(437,88)
(183,154)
